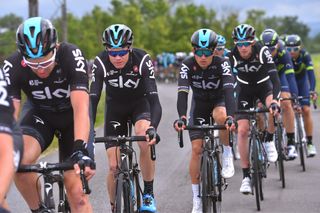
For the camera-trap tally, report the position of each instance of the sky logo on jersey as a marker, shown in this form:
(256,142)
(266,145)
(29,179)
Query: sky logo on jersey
(118,82)
(184,71)
(251,68)
(47,94)
(151,68)
(204,85)
(80,61)
(226,68)
(269,56)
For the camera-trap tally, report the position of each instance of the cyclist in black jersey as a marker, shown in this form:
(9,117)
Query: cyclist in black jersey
(257,79)
(306,81)
(283,61)
(211,80)
(54,78)
(131,93)
(10,142)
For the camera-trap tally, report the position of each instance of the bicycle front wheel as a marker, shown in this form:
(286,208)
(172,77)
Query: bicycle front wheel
(255,170)
(300,142)
(206,183)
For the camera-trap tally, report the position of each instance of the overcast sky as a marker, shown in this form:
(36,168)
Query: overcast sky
(308,11)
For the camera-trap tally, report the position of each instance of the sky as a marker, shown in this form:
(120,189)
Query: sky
(307,11)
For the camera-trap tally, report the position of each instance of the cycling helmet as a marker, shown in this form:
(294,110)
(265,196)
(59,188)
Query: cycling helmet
(36,37)
(269,37)
(117,36)
(293,40)
(204,38)
(243,32)
(221,41)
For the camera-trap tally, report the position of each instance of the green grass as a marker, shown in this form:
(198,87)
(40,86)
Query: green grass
(316,62)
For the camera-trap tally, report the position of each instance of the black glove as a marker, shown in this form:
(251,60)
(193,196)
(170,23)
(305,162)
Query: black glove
(151,131)
(81,154)
(181,121)
(274,107)
(229,121)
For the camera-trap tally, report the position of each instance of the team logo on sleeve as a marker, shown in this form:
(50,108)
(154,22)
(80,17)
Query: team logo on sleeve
(226,68)
(184,71)
(151,68)
(80,60)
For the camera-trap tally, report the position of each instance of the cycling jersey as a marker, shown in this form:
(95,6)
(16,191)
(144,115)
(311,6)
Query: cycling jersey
(284,65)
(208,85)
(133,82)
(257,69)
(303,66)
(6,108)
(52,93)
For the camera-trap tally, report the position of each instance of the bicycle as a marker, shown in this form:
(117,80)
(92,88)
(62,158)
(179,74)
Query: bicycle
(49,178)
(257,154)
(128,189)
(210,172)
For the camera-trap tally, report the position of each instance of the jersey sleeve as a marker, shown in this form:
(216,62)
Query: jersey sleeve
(183,89)
(287,68)
(98,75)
(6,110)
(77,65)
(11,68)
(310,71)
(146,69)
(228,86)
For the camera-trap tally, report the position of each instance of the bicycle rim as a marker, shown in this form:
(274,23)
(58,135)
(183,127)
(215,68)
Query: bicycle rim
(300,146)
(217,185)
(281,156)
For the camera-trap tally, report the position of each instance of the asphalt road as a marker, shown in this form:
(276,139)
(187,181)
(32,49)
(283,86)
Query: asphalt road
(172,182)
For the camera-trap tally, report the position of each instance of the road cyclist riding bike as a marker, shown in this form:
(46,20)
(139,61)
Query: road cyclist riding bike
(54,78)
(283,61)
(257,79)
(306,81)
(211,81)
(128,75)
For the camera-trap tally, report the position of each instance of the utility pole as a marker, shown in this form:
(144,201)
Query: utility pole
(33,8)
(64,23)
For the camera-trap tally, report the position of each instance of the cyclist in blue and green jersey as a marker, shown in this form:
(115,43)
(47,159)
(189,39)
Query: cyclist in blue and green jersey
(282,59)
(306,81)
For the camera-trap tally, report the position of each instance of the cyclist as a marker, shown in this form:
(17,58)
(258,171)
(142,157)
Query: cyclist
(257,79)
(283,62)
(211,81)
(10,142)
(306,81)
(54,78)
(128,75)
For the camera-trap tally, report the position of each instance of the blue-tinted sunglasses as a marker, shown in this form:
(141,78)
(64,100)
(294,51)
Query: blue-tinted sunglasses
(243,43)
(118,53)
(293,49)
(205,52)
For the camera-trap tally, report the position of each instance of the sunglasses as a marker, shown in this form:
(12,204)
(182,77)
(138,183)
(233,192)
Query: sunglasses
(243,43)
(205,52)
(220,48)
(43,65)
(293,49)
(118,53)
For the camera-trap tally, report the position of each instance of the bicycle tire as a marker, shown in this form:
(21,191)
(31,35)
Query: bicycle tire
(280,149)
(255,168)
(204,183)
(300,143)
(137,192)
(217,184)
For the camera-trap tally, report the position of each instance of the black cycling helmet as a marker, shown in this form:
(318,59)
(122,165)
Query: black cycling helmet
(293,40)
(243,32)
(269,37)
(204,38)
(117,36)
(36,37)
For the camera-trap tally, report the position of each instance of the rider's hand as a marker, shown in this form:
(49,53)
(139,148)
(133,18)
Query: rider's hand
(274,108)
(80,154)
(314,95)
(180,124)
(152,136)
(230,123)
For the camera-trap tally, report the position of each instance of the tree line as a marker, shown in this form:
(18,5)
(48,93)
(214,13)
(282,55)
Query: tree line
(158,26)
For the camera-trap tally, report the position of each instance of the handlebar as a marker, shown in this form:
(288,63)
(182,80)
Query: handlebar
(45,167)
(252,111)
(118,140)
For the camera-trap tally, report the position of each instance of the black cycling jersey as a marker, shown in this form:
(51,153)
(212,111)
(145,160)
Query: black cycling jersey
(257,69)
(128,84)
(6,108)
(52,93)
(212,84)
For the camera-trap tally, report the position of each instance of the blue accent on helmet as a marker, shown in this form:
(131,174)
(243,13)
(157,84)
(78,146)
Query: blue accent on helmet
(241,32)
(204,38)
(36,23)
(116,35)
(221,41)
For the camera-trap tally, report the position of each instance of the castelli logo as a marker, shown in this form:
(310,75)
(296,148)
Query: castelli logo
(135,69)
(23,64)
